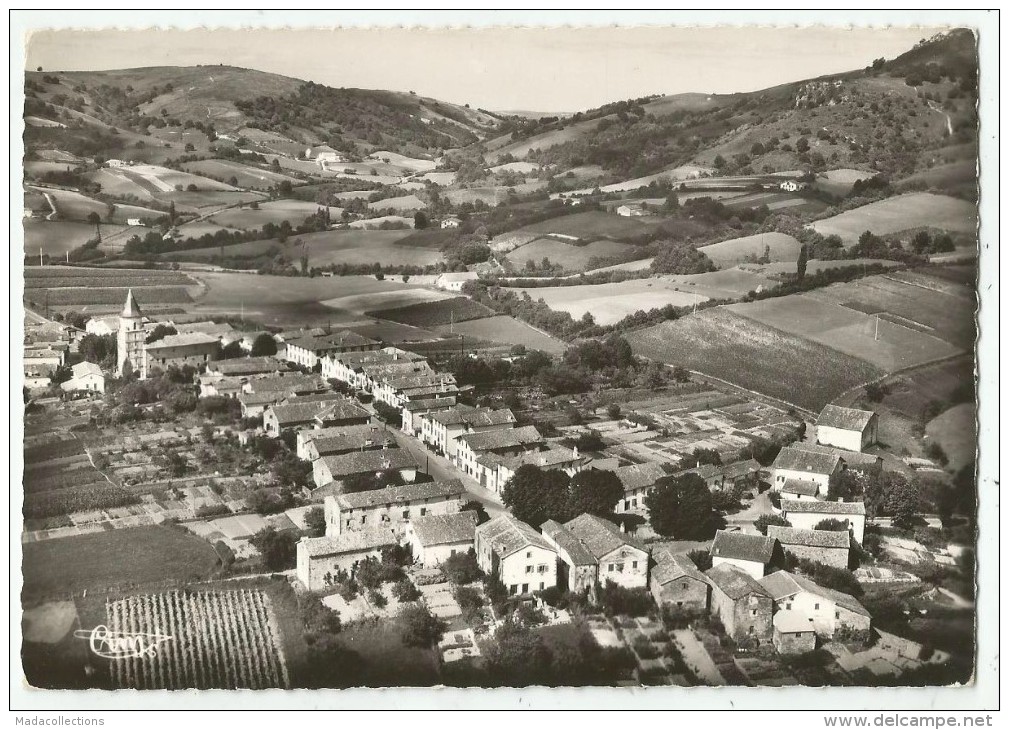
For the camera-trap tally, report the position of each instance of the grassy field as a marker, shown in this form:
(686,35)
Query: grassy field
(901,213)
(56,238)
(508,331)
(591,224)
(430,314)
(386,300)
(887,346)
(404,203)
(385,660)
(572,258)
(776,201)
(60,276)
(134,555)
(781,247)
(959,176)
(71,205)
(955,430)
(910,393)
(246,176)
(725,284)
(273,211)
(919,302)
(609,303)
(839,182)
(760,358)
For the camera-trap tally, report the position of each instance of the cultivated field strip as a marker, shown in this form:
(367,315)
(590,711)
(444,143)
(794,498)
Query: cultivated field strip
(219,640)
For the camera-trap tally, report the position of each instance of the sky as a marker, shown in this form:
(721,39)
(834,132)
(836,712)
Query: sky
(499,69)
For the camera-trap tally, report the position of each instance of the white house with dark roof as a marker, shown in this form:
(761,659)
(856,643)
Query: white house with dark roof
(435,538)
(419,407)
(847,428)
(806,515)
(493,470)
(439,429)
(308,351)
(504,442)
(825,609)
(323,410)
(803,464)
(87,377)
(391,507)
(314,443)
(190,348)
(752,554)
(515,555)
(822,546)
(637,480)
(615,556)
(331,471)
(320,559)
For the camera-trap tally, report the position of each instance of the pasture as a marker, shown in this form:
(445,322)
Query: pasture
(433,313)
(886,345)
(375,224)
(570,257)
(901,213)
(507,331)
(40,167)
(775,201)
(71,205)
(414,164)
(56,238)
(130,556)
(609,303)
(638,265)
(591,224)
(955,430)
(725,284)
(273,211)
(439,178)
(245,176)
(746,353)
(779,247)
(385,300)
(159,179)
(840,182)
(403,203)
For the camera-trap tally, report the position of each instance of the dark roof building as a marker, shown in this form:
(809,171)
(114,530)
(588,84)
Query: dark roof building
(741,546)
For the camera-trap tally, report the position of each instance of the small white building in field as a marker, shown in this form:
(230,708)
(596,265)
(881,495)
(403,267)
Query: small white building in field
(134,222)
(632,210)
(807,514)
(450,222)
(435,538)
(847,428)
(453,281)
(86,377)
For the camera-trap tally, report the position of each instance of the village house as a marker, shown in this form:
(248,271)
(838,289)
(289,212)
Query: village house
(439,429)
(806,515)
(416,409)
(321,559)
(503,442)
(727,476)
(515,555)
(455,280)
(676,582)
(450,221)
(43,356)
(308,351)
(331,471)
(742,605)
(194,348)
(287,384)
(493,470)
(38,377)
(792,634)
(615,556)
(632,210)
(801,464)
(826,610)
(392,506)
(254,405)
(225,333)
(322,411)
(352,368)
(752,554)
(435,538)
(799,490)
(847,428)
(822,546)
(216,385)
(397,391)
(790,186)
(101,326)
(637,480)
(247,366)
(314,443)
(87,377)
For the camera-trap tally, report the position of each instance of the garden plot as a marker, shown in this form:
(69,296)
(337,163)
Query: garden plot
(439,600)
(901,213)
(884,344)
(609,303)
(779,247)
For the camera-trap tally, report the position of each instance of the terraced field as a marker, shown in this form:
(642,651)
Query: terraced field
(747,353)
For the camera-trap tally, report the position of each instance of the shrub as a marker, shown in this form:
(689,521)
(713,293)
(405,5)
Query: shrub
(213,510)
(470,602)
(461,568)
(619,601)
(377,599)
(420,627)
(405,591)
(644,648)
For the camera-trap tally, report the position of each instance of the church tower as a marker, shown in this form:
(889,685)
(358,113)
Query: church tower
(131,336)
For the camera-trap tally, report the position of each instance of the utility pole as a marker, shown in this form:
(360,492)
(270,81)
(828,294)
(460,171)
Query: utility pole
(40,256)
(877,328)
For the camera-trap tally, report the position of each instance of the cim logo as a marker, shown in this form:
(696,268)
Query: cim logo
(120,644)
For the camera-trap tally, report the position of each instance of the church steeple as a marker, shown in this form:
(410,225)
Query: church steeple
(130,309)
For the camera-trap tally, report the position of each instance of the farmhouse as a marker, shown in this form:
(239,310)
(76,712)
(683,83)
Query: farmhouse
(453,281)
(847,428)
(741,603)
(314,443)
(805,515)
(331,471)
(195,349)
(792,633)
(637,480)
(800,490)
(676,582)
(308,411)
(43,356)
(439,429)
(805,465)
(307,351)
(615,557)
(392,506)
(751,554)
(515,555)
(320,559)
(789,186)
(632,210)
(824,609)
(823,546)
(86,377)
(435,538)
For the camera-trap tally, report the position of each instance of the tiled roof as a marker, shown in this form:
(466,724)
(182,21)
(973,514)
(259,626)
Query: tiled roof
(302,410)
(249,366)
(405,493)
(260,399)
(800,486)
(782,584)
(638,476)
(599,536)
(430,404)
(805,506)
(407,382)
(504,438)
(445,529)
(290,383)
(385,355)
(849,419)
(794,458)
(741,546)
(349,542)
(475,417)
(506,534)
(741,468)
(672,567)
(361,462)
(339,439)
(553,457)
(186,339)
(207,328)
(337,340)
(85,368)
(810,538)
(576,551)
(733,582)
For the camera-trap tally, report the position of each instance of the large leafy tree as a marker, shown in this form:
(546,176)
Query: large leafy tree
(680,507)
(264,345)
(595,492)
(536,495)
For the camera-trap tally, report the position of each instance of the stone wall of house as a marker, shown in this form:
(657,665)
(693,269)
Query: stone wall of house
(836,557)
(685,594)
(794,643)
